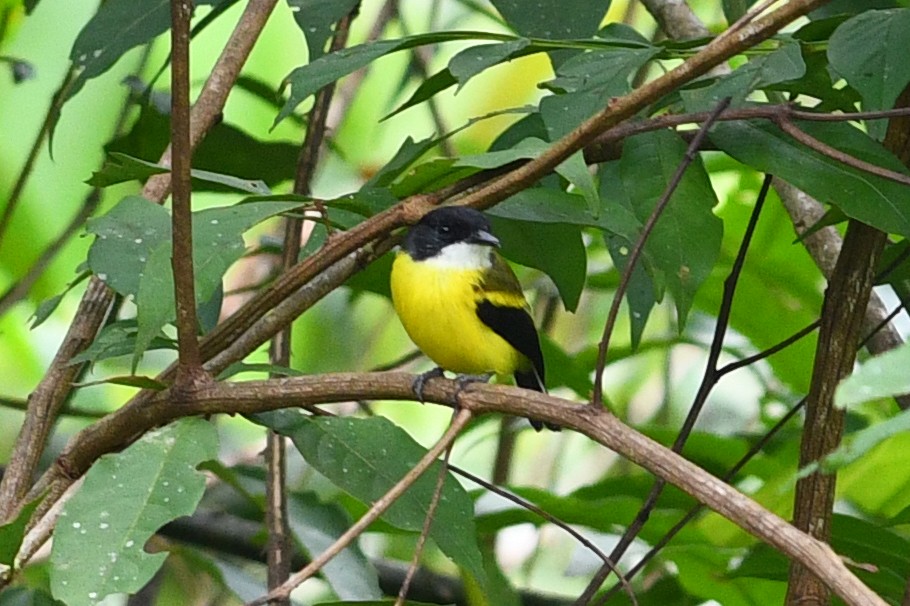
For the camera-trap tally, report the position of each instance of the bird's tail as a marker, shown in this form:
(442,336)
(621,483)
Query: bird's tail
(531,379)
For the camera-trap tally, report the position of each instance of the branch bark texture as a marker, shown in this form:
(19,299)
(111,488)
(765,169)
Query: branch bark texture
(843,313)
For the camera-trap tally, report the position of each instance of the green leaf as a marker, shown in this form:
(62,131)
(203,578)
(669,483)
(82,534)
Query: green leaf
(782,65)
(874,200)
(642,294)
(366,202)
(12,533)
(858,444)
(554,19)
(686,239)
(551,205)
(99,540)
(850,7)
(49,305)
(308,79)
(409,152)
(316,19)
(562,368)
(436,83)
(117,339)
(366,457)
(882,376)
(25,596)
(566,263)
(573,169)
(121,167)
(587,82)
(139,381)
(430,176)
(132,254)
(903,517)
(473,60)
(240,579)
(866,542)
(317,526)
(154,301)
(226,149)
(734,9)
(868,50)
(118,26)
(125,238)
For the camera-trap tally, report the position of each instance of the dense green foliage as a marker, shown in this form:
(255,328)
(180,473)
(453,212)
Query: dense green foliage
(435,94)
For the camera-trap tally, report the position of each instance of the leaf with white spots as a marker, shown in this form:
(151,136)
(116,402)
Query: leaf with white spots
(126,497)
(124,239)
(132,252)
(366,457)
(118,26)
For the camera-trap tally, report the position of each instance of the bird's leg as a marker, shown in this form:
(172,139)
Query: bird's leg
(421,381)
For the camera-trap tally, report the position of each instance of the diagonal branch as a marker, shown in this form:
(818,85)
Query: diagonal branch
(377,509)
(637,250)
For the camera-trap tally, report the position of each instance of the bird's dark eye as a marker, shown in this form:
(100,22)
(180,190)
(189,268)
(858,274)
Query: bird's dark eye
(445,229)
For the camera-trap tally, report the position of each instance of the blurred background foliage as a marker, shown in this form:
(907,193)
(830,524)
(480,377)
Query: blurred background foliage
(650,386)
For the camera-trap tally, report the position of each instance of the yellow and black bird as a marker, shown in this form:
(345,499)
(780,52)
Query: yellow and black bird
(461,303)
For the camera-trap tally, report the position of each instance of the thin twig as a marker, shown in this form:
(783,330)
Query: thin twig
(709,380)
(637,250)
(427,523)
(377,509)
(546,515)
(189,369)
(697,509)
(754,450)
(279,544)
(823,148)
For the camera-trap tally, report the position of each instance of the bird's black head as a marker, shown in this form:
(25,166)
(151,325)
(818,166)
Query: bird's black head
(448,225)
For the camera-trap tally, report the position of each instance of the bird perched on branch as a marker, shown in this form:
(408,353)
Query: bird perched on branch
(461,303)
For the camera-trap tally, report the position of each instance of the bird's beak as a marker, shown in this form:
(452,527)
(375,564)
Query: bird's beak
(484,238)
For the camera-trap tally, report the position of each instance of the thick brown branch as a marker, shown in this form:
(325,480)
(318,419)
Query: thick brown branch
(118,429)
(843,312)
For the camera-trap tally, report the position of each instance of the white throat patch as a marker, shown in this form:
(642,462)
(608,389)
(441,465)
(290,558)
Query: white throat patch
(462,255)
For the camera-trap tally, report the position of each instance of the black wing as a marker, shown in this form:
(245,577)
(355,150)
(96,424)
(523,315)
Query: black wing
(514,324)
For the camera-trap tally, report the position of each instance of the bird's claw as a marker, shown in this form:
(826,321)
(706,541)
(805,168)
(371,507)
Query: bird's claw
(464,380)
(421,381)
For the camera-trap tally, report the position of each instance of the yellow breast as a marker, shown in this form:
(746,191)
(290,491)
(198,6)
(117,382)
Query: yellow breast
(437,307)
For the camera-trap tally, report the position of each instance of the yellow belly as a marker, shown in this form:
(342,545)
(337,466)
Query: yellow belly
(437,308)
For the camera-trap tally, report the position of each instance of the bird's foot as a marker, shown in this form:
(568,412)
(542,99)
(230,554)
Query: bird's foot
(421,381)
(464,380)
